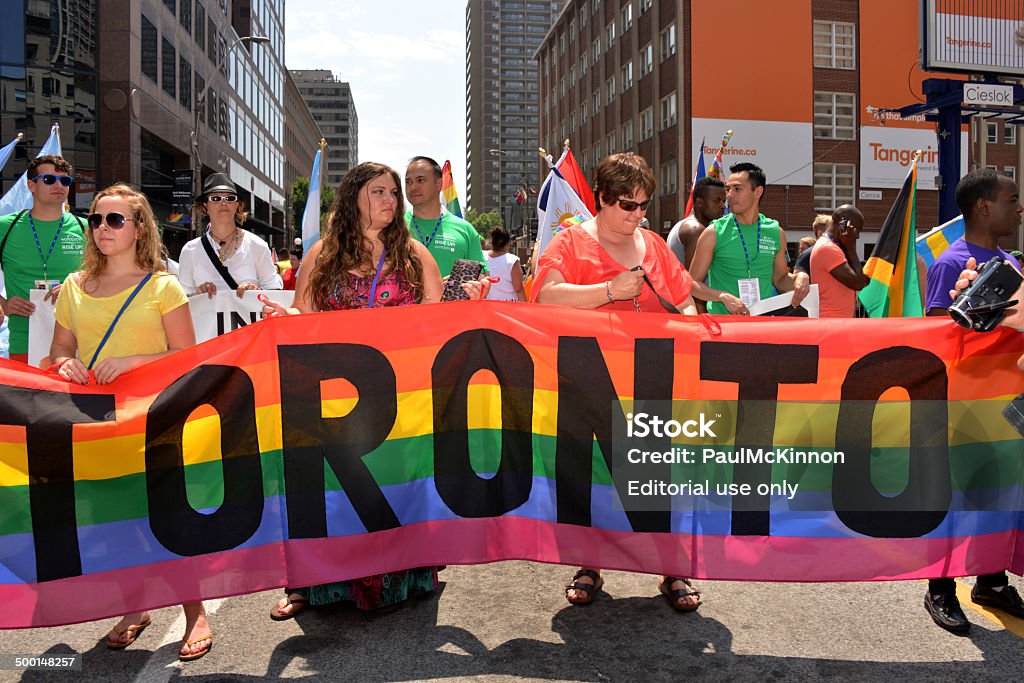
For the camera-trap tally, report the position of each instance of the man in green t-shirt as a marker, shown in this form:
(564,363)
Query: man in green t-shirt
(743,254)
(445,235)
(38,247)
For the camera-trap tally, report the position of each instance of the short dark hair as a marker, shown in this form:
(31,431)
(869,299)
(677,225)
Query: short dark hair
(753,171)
(700,188)
(620,174)
(297,253)
(499,238)
(60,164)
(433,164)
(979,184)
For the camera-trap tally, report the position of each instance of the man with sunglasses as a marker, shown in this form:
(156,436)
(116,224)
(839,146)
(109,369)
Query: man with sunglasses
(743,255)
(39,247)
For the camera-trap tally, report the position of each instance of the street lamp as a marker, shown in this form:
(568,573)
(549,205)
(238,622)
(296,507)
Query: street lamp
(197,162)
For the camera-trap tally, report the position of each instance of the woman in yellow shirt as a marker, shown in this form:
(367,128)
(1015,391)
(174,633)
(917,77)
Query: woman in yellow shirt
(120,311)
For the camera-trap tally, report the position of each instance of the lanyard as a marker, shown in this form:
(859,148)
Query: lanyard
(427,240)
(376,278)
(39,247)
(757,243)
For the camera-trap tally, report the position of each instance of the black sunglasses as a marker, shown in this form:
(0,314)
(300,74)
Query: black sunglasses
(222,198)
(629,205)
(50,179)
(115,221)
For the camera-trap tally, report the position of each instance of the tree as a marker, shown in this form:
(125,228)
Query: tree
(300,194)
(484,222)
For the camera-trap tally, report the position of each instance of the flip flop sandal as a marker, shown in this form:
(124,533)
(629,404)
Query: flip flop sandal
(298,605)
(196,655)
(133,631)
(674,596)
(590,590)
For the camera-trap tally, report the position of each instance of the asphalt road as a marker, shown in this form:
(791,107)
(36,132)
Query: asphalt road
(510,622)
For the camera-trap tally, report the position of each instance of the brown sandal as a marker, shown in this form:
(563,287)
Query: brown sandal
(192,656)
(674,596)
(133,631)
(589,589)
(298,604)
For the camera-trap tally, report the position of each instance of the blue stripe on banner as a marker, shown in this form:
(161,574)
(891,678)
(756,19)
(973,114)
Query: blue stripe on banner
(116,545)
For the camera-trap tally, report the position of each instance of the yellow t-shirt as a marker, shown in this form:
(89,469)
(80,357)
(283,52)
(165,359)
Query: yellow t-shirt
(141,327)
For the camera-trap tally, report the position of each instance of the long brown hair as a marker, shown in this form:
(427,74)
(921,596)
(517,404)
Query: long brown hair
(344,245)
(148,247)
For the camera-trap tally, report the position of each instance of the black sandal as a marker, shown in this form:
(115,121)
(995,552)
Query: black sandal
(589,589)
(674,596)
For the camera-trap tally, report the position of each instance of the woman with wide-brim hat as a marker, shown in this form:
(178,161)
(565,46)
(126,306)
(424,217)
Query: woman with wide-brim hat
(225,257)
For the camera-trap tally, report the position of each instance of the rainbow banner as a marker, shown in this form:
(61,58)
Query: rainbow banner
(360,442)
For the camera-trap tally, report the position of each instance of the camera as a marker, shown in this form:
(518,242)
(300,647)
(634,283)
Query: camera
(980,306)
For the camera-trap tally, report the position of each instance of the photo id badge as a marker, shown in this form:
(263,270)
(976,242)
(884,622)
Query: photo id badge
(750,291)
(46,284)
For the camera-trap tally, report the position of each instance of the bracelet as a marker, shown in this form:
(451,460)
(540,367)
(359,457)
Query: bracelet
(608,290)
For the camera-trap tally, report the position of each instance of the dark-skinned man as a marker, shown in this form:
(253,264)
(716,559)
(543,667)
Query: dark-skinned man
(990,203)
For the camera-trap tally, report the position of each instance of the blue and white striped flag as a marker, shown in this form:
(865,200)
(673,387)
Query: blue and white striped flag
(8,150)
(18,198)
(311,214)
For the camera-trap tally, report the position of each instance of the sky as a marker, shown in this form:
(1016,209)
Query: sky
(406,63)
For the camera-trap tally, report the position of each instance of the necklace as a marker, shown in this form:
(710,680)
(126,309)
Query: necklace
(227,246)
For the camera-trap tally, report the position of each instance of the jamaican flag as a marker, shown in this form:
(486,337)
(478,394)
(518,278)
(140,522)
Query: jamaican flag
(894,290)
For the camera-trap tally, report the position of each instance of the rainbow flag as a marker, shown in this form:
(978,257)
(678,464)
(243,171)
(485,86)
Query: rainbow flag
(931,244)
(366,441)
(451,197)
(894,290)
(717,168)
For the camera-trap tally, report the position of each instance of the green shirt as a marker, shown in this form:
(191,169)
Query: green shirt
(730,263)
(23,261)
(454,239)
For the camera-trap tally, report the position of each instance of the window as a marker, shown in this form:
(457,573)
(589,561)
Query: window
(627,16)
(583,63)
(561,86)
(200,32)
(833,185)
(991,133)
(611,142)
(184,82)
(627,136)
(596,8)
(834,46)
(1010,171)
(609,34)
(185,16)
(168,60)
(595,50)
(211,40)
(572,29)
(645,5)
(597,102)
(646,124)
(669,177)
(572,75)
(668,111)
(583,112)
(149,50)
(561,44)
(667,42)
(627,76)
(200,87)
(1009,133)
(583,14)
(834,114)
(597,151)
(609,90)
(646,60)
(170,5)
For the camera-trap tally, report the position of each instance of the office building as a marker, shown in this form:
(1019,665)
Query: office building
(501,101)
(301,141)
(168,66)
(330,101)
(659,76)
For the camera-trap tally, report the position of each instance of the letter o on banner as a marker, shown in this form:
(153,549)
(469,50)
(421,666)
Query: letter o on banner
(175,523)
(465,492)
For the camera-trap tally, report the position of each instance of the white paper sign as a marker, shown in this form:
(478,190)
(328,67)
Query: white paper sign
(774,303)
(212,317)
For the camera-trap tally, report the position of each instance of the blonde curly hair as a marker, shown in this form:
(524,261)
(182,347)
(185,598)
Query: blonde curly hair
(149,249)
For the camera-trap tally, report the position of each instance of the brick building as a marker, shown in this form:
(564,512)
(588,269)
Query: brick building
(800,83)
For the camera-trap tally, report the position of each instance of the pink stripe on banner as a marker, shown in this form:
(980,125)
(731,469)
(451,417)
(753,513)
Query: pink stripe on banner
(479,541)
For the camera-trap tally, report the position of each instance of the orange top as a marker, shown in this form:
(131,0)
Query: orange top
(835,300)
(583,261)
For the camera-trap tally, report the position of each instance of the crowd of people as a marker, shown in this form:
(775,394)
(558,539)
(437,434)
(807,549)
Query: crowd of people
(117,307)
